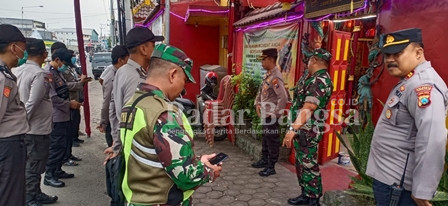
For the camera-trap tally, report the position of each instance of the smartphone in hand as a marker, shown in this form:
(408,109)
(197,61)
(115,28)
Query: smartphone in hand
(218,158)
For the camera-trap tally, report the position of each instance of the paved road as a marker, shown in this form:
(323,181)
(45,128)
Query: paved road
(239,184)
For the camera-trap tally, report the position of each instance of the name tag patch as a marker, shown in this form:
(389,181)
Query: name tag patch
(126,122)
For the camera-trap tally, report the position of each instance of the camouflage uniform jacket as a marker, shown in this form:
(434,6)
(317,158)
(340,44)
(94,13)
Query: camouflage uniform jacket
(315,89)
(161,167)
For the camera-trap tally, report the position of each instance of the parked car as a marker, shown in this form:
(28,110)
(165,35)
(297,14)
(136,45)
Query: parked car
(100,61)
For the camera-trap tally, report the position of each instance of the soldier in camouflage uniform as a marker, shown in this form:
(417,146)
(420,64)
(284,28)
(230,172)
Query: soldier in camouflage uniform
(160,165)
(311,96)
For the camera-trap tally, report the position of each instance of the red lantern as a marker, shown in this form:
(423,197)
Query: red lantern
(370,33)
(350,24)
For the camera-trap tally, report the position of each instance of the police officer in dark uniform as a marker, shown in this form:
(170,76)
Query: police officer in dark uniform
(270,102)
(311,96)
(75,84)
(59,95)
(13,124)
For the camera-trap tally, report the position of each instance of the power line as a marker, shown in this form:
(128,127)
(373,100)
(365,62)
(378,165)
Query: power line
(44,12)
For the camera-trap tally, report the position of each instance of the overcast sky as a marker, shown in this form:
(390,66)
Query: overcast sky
(60,13)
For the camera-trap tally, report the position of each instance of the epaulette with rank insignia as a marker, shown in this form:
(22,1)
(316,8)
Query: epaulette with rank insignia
(7,73)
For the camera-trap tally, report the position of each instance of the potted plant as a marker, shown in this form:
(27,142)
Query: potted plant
(362,184)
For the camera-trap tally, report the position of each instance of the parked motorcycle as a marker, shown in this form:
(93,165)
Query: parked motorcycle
(195,114)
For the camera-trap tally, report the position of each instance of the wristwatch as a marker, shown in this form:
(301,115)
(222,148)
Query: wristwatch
(294,130)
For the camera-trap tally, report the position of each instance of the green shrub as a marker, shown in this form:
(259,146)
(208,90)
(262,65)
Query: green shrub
(248,85)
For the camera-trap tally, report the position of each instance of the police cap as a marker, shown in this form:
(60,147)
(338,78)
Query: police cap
(35,46)
(57,45)
(140,35)
(9,34)
(64,55)
(271,52)
(396,41)
(119,51)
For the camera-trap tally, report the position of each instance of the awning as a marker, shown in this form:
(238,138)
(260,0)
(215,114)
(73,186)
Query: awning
(269,12)
(206,15)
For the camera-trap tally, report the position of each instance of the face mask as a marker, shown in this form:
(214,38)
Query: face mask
(63,68)
(73,60)
(23,60)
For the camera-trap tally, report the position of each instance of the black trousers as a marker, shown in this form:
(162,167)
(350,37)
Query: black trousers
(12,170)
(37,147)
(113,180)
(382,194)
(58,146)
(109,139)
(271,141)
(75,119)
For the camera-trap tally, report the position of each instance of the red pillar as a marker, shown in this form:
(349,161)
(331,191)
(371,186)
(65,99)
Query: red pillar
(82,58)
(230,37)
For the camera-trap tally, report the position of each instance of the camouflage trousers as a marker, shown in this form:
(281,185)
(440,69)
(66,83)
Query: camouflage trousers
(307,168)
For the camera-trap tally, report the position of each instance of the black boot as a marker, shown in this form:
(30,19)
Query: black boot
(299,200)
(260,164)
(75,158)
(78,140)
(51,180)
(46,199)
(33,203)
(314,202)
(64,175)
(268,171)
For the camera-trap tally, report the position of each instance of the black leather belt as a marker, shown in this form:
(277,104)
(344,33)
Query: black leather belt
(14,138)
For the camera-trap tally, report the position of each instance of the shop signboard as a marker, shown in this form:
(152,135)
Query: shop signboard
(283,38)
(315,8)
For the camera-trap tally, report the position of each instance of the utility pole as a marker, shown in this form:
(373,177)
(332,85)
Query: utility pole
(122,34)
(167,21)
(101,29)
(128,23)
(41,6)
(112,24)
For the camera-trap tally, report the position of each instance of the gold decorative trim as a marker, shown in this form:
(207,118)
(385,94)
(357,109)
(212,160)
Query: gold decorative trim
(336,9)
(397,42)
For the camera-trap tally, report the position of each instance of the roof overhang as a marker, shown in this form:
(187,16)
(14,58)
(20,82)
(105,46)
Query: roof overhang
(145,10)
(269,12)
(206,15)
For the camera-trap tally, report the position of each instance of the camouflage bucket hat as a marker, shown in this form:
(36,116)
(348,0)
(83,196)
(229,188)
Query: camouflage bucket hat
(176,56)
(323,54)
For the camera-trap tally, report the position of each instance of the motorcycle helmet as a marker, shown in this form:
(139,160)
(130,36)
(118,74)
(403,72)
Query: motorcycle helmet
(211,78)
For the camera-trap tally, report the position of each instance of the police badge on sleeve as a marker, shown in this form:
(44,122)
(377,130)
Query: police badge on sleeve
(423,95)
